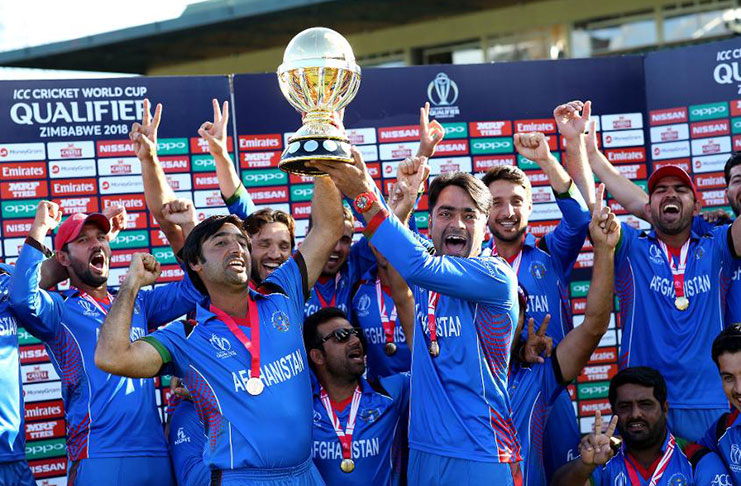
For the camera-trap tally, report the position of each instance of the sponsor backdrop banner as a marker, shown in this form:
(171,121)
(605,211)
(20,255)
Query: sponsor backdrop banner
(67,140)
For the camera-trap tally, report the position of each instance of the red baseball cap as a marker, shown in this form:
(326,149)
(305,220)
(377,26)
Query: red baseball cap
(70,229)
(670,171)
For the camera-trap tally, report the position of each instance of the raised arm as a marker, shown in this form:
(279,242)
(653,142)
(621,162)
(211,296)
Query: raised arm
(115,353)
(214,133)
(431,133)
(328,218)
(157,191)
(40,312)
(182,213)
(571,119)
(627,194)
(401,295)
(578,345)
(411,175)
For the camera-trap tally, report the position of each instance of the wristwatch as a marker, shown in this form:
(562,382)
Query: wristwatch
(364,201)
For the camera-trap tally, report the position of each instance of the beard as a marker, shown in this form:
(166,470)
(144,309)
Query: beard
(82,271)
(653,435)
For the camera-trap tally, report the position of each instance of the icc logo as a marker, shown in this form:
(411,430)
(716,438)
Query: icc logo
(222,344)
(442,91)
(735,454)
(654,253)
(87,308)
(363,305)
(621,480)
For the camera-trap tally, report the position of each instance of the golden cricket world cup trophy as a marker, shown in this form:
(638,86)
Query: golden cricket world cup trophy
(318,77)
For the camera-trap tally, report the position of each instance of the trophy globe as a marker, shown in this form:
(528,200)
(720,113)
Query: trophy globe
(318,77)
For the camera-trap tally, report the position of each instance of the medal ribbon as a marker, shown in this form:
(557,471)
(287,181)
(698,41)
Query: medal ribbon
(92,300)
(515,263)
(660,467)
(432,299)
(252,345)
(677,271)
(334,293)
(389,324)
(345,436)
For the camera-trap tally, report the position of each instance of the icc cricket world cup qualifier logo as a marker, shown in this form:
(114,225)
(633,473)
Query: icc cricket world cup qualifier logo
(443,88)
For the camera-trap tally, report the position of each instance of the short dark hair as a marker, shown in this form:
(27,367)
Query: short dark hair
(507,173)
(312,323)
(346,214)
(638,375)
(191,252)
(473,187)
(733,161)
(728,341)
(255,221)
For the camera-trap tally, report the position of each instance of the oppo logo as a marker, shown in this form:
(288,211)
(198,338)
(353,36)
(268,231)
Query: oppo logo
(492,145)
(126,239)
(303,192)
(203,162)
(454,129)
(20,208)
(170,145)
(264,177)
(706,111)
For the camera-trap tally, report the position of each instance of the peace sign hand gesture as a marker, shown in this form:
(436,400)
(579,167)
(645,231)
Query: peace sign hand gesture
(595,448)
(144,134)
(215,132)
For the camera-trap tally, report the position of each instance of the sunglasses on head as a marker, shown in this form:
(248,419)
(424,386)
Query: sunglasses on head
(341,335)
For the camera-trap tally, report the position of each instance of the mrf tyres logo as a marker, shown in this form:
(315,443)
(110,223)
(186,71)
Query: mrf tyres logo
(443,93)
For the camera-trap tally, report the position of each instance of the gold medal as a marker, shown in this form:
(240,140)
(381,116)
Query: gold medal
(434,349)
(255,386)
(681,303)
(390,349)
(347,465)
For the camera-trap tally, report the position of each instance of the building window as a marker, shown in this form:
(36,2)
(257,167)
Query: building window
(697,20)
(614,34)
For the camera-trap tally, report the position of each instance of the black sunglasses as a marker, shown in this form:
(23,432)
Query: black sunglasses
(341,335)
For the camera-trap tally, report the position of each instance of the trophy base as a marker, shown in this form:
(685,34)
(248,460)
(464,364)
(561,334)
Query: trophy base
(302,150)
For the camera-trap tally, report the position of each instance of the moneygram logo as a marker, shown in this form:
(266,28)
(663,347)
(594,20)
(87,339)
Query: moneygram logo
(443,93)
(22,151)
(172,146)
(491,145)
(709,111)
(130,239)
(257,178)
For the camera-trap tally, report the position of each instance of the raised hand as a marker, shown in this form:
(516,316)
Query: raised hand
(532,146)
(180,212)
(604,229)
(413,172)
(144,134)
(592,138)
(48,217)
(537,342)
(430,133)
(572,117)
(595,448)
(144,270)
(116,214)
(215,132)
(715,215)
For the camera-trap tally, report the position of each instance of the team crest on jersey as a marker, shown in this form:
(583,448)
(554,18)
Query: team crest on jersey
(620,480)
(369,415)
(280,321)
(222,346)
(678,479)
(88,310)
(537,270)
(655,255)
(364,303)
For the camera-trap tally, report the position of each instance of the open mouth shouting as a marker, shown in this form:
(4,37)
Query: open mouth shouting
(455,244)
(98,264)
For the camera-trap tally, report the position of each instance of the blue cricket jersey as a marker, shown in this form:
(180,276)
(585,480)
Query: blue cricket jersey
(680,471)
(533,389)
(724,438)
(337,291)
(240,203)
(187,440)
(460,407)
(367,316)
(383,405)
(107,415)
(270,430)
(12,431)
(654,332)
(733,309)
(546,264)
